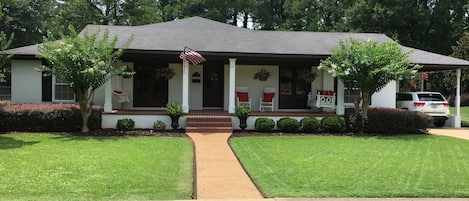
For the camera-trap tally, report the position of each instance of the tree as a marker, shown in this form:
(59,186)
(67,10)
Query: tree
(4,44)
(85,62)
(367,66)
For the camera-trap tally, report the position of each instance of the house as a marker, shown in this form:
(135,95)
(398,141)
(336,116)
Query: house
(233,55)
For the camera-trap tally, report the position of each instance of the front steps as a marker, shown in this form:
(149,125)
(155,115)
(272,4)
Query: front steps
(208,124)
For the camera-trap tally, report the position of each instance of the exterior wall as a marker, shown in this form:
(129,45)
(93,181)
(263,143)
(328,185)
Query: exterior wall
(141,121)
(26,83)
(244,78)
(175,84)
(196,88)
(386,97)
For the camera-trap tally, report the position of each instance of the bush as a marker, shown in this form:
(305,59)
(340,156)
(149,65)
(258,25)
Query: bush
(464,99)
(396,121)
(125,124)
(310,124)
(333,124)
(159,125)
(288,125)
(46,117)
(264,124)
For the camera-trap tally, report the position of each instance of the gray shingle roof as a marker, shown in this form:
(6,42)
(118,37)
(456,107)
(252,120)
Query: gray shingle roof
(207,36)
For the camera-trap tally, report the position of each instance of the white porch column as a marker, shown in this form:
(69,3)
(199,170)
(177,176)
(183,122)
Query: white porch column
(108,96)
(185,86)
(340,110)
(422,81)
(231,88)
(457,117)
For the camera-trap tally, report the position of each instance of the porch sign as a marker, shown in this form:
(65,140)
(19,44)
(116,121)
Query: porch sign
(191,56)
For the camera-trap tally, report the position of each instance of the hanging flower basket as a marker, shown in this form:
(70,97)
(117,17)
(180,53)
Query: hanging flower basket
(307,76)
(262,75)
(127,72)
(165,73)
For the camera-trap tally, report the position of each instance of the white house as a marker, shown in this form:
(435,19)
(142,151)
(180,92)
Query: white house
(233,56)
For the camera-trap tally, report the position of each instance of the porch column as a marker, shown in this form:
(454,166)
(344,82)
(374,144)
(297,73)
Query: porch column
(185,86)
(422,81)
(108,96)
(457,117)
(340,110)
(231,88)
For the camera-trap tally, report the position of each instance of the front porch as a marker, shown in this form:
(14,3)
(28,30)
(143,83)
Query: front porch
(144,119)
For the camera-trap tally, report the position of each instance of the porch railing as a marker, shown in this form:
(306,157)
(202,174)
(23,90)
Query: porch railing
(324,98)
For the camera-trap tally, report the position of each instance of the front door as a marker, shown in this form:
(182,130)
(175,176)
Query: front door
(148,90)
(213,85)
(293,91)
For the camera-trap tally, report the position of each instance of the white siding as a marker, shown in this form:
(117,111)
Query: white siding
(386,97)
(26,83)
(244,78)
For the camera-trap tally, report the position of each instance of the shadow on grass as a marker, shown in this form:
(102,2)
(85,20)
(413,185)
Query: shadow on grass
(85,138)
(11,143)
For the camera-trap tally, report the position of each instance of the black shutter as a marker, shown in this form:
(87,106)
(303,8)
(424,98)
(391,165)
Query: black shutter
(46,88)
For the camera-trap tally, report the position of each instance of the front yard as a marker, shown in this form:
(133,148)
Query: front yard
(464,115)
(56,167)
(336,166)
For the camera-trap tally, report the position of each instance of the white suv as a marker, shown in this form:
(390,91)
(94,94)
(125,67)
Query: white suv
(431,103)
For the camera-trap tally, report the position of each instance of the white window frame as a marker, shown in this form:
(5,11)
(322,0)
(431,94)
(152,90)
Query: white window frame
(54,84)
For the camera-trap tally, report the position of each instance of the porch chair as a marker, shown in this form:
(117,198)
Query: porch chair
(267,99)
(120,96)
(242,96)
(325,98)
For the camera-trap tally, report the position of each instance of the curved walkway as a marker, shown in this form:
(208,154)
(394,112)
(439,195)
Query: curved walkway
(462,133)
(219,174)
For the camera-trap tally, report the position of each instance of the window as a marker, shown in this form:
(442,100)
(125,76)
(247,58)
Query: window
(62,91)
(349,93)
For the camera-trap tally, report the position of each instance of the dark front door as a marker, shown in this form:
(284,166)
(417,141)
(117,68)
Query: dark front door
(293,92)
(213,85)
(148,90)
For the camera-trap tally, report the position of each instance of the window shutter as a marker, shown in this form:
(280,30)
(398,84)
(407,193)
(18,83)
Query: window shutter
(46,88)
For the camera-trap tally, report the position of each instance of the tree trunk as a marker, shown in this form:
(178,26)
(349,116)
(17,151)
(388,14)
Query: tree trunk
(85,97)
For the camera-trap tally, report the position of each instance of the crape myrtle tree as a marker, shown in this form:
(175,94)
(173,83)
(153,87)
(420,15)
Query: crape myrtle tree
(85,61)
(367,66)
(5,42)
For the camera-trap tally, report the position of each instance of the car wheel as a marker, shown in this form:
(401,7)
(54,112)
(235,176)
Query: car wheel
(439,123)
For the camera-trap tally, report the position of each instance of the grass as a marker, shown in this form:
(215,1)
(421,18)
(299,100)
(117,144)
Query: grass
(464,115)
(335,166)
(55,167)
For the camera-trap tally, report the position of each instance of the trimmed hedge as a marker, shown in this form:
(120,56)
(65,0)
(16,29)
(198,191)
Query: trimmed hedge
(288,125)
(310,124)
(125,124)
(45,117)
(264,124)
(396,121)
(464,99)
(333,124)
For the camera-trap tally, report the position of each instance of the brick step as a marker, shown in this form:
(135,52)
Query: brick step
(208,119)
(208,124)
(208,129)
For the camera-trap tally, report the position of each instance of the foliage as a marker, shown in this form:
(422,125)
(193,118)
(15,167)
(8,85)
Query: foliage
(41,166)
(45,117)
(264,124)
(262,75)
(310,124)
(367,66)
(165,73)
(127,72)
(307,76)
(125,124)
(86,62)
(159,125)
(4,44)
(174,109)
(333,124)
(386,121)
(287,124)
(335,166)
(243,110)
(464,99)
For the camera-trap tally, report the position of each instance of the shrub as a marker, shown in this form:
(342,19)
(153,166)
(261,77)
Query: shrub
(159,125)
(288,124)
(264,124)
(125,124)
(333,124)
(396,121)
(310,124)
(174,109)
(46,117)
(464,99)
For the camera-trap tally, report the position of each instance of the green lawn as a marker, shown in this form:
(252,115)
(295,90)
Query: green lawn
(464,115)
(55,167)
(335,166)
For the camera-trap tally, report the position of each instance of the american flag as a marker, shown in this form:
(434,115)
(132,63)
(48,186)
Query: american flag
(191,56)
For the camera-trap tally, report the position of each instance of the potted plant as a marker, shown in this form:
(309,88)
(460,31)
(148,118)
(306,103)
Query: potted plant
(174,111)
(307,76)
(126,72)
(242,112)
(262,75)
(165,73)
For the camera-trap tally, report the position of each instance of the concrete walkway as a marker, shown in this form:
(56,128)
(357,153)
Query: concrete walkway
(462,133)
(218,172)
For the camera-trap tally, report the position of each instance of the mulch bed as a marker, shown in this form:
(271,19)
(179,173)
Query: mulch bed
(137,132)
